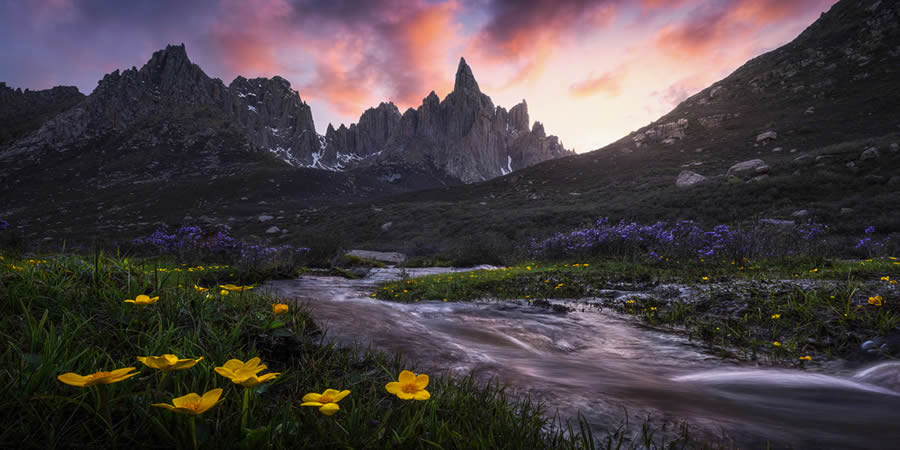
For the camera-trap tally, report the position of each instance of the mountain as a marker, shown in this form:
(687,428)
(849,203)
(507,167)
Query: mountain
(22,112)
(464,136)
(807,131)
(167,143)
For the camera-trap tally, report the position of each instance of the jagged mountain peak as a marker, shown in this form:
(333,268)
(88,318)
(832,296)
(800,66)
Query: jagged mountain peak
(465,80)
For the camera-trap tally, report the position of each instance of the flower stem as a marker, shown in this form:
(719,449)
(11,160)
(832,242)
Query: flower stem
(193,424)
(245,409)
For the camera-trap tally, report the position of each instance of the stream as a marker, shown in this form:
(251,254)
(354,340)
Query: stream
(604,366)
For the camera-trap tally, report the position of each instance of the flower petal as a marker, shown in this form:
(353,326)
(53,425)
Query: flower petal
(311,404)
(209,399)
(330,393)
(119,372)
(184,400)
(405,395)
(341,395)
(329,409)
(119,378)
(422,395)
(421,381)
(233,364)
(164,405)
(393,387)
(312,397)
(406,377)
(73,379)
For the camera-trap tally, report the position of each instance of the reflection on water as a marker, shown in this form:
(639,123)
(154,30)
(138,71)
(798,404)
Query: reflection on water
(600,365)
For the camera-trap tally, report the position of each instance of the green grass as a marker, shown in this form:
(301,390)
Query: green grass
(733,312)
(67,314)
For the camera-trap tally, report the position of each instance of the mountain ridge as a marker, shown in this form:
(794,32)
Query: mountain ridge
(275,118)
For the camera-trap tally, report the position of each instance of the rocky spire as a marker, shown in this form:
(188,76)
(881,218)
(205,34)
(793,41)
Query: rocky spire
(464,78)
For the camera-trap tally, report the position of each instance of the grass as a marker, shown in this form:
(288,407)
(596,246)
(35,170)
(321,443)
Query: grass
(67,314)
(733,308)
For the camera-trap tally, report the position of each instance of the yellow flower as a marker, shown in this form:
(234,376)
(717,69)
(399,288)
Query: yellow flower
(245,373)
(876,300)
(705,278)
(73,379)
(326,401)
(885,278)
(652,308)
(893,281)
(806,358)
(200,289)
(814,270)
(585,265)
(192,403)
(630,302)
(223,292)
(776,316)
(234,288)
(143,300)
(279,308)
(776,344)
(168,362)
(409,386)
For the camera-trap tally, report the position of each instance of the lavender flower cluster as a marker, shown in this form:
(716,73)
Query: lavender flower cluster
(190,243)
(3,224)
(682,239)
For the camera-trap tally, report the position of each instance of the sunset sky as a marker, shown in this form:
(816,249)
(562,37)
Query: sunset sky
(591,71)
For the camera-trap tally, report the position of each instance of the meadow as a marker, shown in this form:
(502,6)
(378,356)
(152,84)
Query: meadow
(97,345)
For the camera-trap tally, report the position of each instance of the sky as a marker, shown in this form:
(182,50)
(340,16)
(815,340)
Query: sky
(591,71)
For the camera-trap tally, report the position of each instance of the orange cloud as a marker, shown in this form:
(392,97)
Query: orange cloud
(608,83)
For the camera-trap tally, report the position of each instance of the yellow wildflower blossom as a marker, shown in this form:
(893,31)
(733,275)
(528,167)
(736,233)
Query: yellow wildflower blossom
(409,386)
(245,373)
(73,379)
(143,300)
(168,362)
(192,403)
(326,401)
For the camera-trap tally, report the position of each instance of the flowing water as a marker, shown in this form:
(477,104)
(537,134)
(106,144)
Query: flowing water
(603,365)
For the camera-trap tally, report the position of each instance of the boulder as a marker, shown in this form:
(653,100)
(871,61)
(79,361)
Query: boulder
(777,222)
(753,166)
(388,257)
(895,147)
(800,213)
(869,153)
(386,226)
(687,179)
(272,230)
(767,136)
(264,218)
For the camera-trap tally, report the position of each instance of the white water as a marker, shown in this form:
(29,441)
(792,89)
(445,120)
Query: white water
(600,365)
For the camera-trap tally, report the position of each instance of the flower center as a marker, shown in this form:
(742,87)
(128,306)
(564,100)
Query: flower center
(193,406)
(410,388)
(325,399)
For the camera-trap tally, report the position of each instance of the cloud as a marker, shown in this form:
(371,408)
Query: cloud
(526,33)
(714,25)
(608,83)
